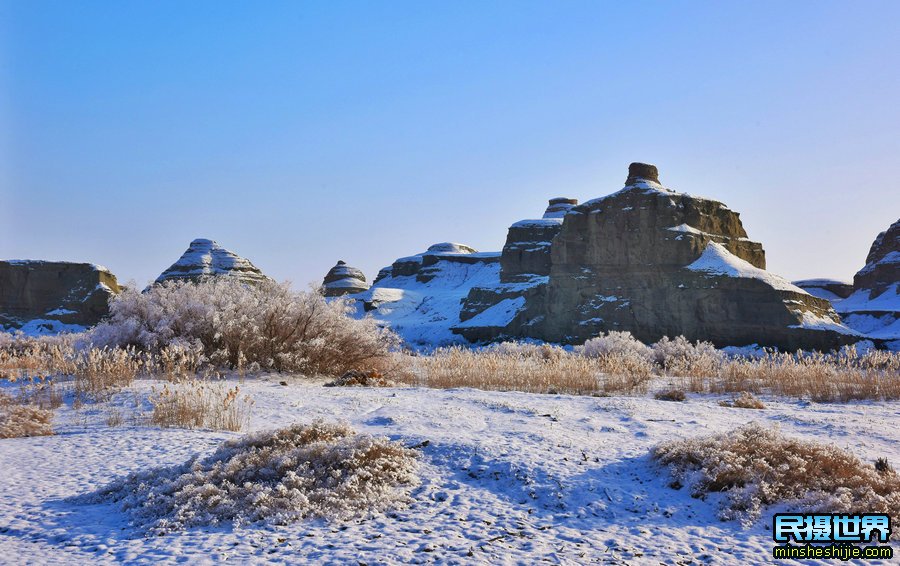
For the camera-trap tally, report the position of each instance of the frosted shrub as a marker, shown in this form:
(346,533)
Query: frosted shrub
(304,471)
(679,356)
(756,467)
(614,343)
(624,359)
(265,325)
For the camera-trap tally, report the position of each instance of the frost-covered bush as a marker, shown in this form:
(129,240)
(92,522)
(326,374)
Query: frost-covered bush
(614,343)
(756,467)
(265,325)
(679,356)
(304,471)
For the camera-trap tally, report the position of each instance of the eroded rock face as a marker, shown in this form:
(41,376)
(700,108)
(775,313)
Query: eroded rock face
(49,296)
(882,269)
(874,307)
(656,263)
(343,280)
(206,258)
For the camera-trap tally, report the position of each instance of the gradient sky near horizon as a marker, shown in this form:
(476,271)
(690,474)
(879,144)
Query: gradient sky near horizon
(300,133)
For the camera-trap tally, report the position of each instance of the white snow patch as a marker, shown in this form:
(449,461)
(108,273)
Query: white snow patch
(497,316)
(60,312)
(685,229)
(811,321)
(716,260)
(862,301)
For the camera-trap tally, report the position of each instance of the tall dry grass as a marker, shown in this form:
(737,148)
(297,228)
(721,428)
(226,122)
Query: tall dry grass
(200,404)
(539,370)
(619,366)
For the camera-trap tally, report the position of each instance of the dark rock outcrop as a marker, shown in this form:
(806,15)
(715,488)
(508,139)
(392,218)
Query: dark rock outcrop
(882,269)
(206,258)
(343,280)
(49,294)
(874,307)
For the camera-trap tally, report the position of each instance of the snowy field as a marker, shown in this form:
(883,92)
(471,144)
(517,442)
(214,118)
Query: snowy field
(506,478)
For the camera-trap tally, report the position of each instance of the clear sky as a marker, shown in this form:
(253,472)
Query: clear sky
(300,133)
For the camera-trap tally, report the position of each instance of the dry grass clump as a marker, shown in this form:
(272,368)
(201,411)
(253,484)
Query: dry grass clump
(756,467)
(744,400)
(18,420)
(670,395)
(356,378)
(200,404)
(304,471)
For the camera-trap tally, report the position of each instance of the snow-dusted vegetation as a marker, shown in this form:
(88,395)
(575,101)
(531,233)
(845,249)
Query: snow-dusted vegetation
(756,467)
(261,326)
(317,470)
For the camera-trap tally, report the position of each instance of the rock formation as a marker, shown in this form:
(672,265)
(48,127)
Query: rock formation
(645,259)
(343,280)
(51,296)
(829,289)
(874,307)
(420,296)
(206,258)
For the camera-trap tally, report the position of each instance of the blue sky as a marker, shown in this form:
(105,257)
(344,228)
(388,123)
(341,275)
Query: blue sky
(300,133)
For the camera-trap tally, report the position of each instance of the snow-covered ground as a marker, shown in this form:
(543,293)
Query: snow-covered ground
(506,478)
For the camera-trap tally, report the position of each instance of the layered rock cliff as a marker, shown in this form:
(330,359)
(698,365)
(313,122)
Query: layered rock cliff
(874,306)
(51,296)
(206,258)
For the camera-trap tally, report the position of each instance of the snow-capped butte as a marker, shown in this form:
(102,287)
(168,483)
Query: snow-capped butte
(206,258)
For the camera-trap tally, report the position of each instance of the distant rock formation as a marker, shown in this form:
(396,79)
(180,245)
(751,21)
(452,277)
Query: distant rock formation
(40,297)
(646,259)
(874,307)
(420,296)
(559,206)
(830,289)
(343,280)
(206,258)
